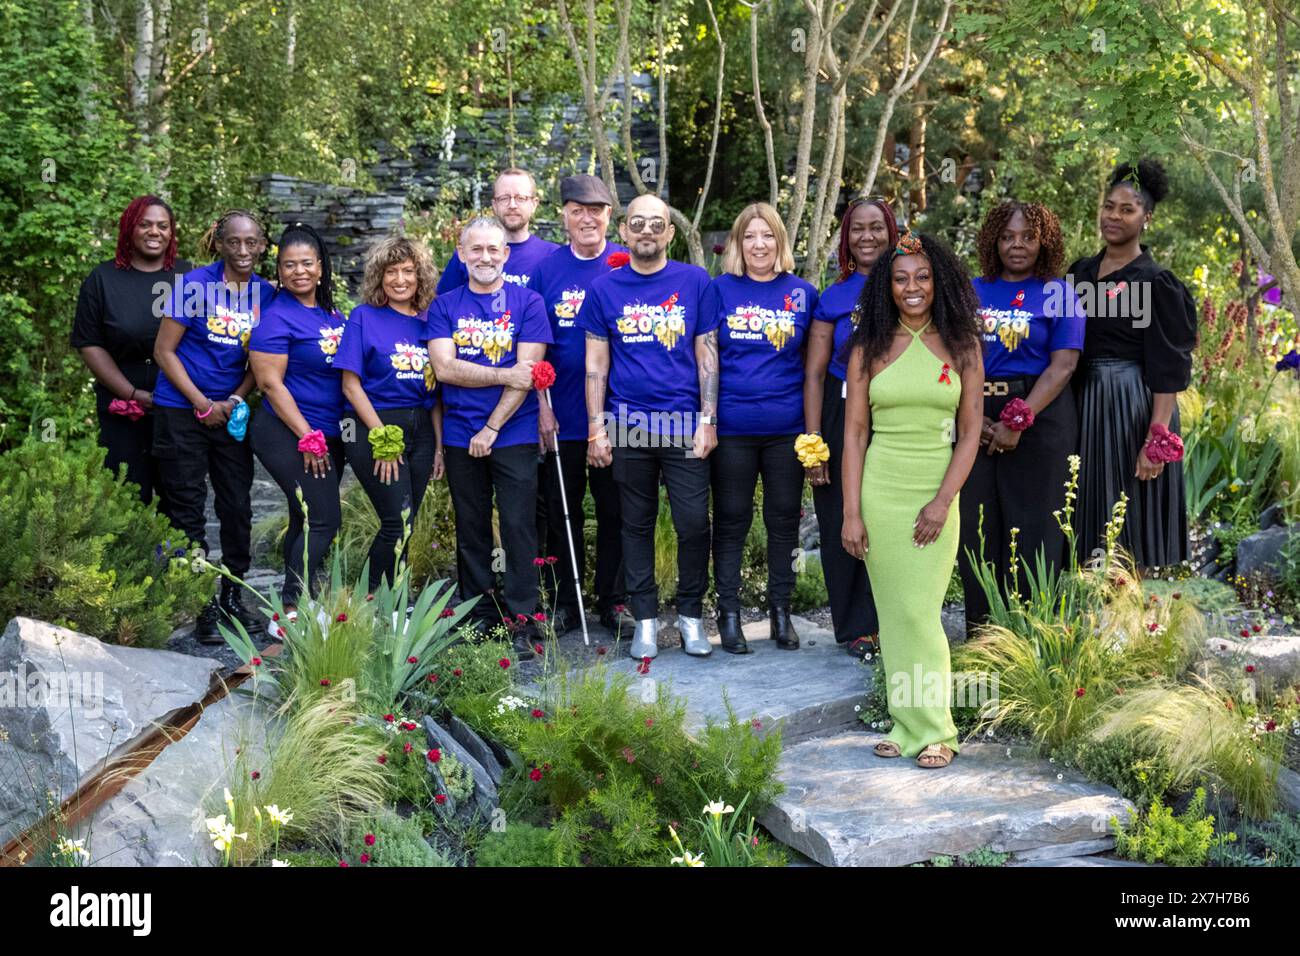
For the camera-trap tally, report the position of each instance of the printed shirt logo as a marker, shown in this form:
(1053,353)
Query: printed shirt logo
(330,336)
(412,363)
(570,304)
(227,327)
(1010,326)
(753,323)
(665,322)
(476,336)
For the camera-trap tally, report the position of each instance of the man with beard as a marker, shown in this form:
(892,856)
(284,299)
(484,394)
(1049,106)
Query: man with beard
(514,200)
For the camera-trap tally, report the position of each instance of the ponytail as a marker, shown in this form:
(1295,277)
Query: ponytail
(301,233)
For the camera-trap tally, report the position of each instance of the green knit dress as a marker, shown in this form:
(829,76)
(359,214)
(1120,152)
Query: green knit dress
(913,420)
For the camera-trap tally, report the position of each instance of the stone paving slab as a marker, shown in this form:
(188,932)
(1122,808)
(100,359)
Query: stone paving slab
(843,806)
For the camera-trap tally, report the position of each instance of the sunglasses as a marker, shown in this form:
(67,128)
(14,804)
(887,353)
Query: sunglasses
(638,224)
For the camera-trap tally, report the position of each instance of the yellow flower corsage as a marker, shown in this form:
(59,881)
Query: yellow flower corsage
(811,450)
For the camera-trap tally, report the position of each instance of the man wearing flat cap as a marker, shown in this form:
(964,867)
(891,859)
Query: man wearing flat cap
(562,280)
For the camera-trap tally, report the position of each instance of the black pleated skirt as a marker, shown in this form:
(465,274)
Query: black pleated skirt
(1114,415)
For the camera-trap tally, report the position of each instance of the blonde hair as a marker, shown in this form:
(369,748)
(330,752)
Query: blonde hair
(390,252)
(733,256)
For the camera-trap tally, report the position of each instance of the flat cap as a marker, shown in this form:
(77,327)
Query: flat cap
(589,190)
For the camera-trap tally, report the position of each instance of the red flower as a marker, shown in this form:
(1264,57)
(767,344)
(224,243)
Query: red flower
(440,799)
(279,632)
(504,662)
(341,619)
(1153,626)
(1256,628)
(644,666)
(1163,445)
(539,649)
(382,758)
(434,755)
(365,858)
(324,681)
(600,651)
(275,615)
(546,766)
(543,375)
(649,721)
(256,662)
(457,672)
(538,713)
(1271,726)
(616,259)
(256,775)
(1177,595)
(447,612)
(370,597)
(407,725)
(1017,415)
(1245,633)
(407,747)
(628,755)
(343,862)
(539,562)
(658,780)
(756,724)
(1079,693)
(389,718)
(540,616)
(534,775)
(432,678)
(620,608)
(1250,668)
(522,618)
(551,559)
(412,660)
(370,839)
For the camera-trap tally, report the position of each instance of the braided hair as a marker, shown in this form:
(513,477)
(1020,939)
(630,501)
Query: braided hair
(953,310)
(130,218)
(210,243)
(1046,228)
(302,234)
(1148,179)
(847,264)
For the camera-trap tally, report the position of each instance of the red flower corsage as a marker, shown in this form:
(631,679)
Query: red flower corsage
(128,408)
(943,374)
(1163,446)
(1017,415)
(543,375)
(616,259)
(314,442)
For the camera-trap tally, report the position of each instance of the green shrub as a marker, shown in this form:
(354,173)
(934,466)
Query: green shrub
(397,841)
(1274,842)
(1161,837)
(1120,761)
(809,587)
(519,844)
(78,549)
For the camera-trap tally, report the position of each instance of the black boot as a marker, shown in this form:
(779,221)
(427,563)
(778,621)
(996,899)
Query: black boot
(782,630)
(205,628)
(232,602)
(733,638)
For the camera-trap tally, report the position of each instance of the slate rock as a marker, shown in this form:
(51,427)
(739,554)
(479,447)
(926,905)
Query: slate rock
(485,791)
(477,747)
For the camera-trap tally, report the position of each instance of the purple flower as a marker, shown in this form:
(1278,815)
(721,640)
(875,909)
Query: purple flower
(1289,361)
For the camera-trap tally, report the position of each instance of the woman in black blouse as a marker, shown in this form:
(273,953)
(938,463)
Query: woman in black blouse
(1137,357)
(115,328)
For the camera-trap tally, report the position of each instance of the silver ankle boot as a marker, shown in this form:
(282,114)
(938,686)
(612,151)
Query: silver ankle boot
(693,639)
(645,639)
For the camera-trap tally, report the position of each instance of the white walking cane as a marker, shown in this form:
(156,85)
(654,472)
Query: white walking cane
(568,528)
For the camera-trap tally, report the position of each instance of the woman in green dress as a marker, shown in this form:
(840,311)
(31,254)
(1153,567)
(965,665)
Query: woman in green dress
(915,386)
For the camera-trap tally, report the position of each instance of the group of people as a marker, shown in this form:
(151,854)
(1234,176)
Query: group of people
(666,376)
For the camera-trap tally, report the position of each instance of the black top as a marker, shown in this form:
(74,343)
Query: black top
(1153,323)
(116,311)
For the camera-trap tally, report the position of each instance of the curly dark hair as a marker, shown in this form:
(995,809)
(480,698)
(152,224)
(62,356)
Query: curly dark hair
(1148,179)
(953,310)
(1046,228)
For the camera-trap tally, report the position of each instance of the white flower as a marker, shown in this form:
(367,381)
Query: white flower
(223,834)
(688,859)
(718,809)
(72,848)
(279,817)
(279,863)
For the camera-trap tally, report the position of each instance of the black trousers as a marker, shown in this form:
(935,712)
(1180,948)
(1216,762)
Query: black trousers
(510,475)
(276,447)
(610,587)
(131,443)
(1016,489)
(637,471)
(853,610)
(189,451)
(407,492)
(737,463)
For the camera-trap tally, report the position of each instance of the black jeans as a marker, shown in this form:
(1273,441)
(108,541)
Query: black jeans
(637,472)
(1017,489)
(189,451)
(405,493)
(509,474)
(610,587)
(276,447)
(737,463)
(853,610)
(131,443)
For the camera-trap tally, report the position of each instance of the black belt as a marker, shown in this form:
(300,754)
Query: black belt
(997,388)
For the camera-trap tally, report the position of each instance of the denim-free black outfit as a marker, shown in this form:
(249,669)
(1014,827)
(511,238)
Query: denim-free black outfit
(276,447)
(404,494)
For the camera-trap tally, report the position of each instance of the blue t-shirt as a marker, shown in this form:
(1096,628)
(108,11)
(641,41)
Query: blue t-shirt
(837,307)
(1025,322)
(218,321)
(310,338)
(486,328)
(562,281)
(761,333)
(519,266)
(651,322)
(389,351)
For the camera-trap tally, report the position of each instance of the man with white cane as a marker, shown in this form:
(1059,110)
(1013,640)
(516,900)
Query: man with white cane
(562,280)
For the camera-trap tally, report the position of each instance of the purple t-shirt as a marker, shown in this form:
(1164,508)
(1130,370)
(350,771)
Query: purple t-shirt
(836,307)
(519,266)
(1023,323)
(218,322)
(761,333)
(486,328)
(389,351)
(562,281)
(310,338)
(651,322)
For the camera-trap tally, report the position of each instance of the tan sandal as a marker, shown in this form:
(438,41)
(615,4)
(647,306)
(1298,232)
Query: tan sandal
(887,748)
(934,757)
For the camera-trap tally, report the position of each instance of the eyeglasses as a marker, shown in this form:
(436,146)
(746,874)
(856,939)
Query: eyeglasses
(518,200)
(639,223)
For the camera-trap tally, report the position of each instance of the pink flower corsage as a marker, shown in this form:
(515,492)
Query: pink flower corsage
(1163,446)
(1017,415)
(128,407)
(314,442)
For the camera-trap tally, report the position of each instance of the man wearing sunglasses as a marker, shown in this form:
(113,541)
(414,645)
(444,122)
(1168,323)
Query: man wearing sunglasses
(652,344)
(514,200)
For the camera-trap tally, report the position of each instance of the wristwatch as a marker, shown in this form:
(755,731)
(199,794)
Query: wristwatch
(707,420)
